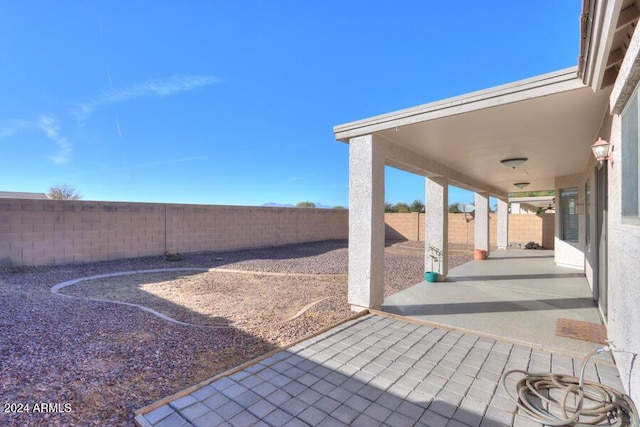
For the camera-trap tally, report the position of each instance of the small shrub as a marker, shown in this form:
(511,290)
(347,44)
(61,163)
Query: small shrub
(173,257)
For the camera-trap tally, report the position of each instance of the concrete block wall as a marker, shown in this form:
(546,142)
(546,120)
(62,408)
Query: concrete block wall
(43,232)
(404,226)
(522,228)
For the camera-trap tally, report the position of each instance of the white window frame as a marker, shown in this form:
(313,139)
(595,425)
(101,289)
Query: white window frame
(630,161)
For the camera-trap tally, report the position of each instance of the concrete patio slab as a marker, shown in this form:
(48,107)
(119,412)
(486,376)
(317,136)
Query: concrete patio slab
(516,294)
(376,369)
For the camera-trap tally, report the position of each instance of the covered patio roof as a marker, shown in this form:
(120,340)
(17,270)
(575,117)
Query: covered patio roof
(550,119)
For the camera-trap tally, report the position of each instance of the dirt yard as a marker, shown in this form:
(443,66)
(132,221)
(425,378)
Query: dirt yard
(100,361)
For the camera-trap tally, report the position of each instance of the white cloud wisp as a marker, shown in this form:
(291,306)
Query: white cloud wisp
(155,87)
(49,125)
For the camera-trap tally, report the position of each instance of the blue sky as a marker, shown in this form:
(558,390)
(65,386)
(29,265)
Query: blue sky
(233,102)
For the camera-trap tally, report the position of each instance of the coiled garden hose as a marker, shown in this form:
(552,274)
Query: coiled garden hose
(595,403)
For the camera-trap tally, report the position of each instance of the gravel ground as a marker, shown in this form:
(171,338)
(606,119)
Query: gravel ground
(97,362)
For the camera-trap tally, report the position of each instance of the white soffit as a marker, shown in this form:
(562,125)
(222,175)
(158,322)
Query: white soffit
(551,119)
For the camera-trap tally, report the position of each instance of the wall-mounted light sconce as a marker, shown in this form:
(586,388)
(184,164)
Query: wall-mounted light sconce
(602,151)
(521,185)
(514,162)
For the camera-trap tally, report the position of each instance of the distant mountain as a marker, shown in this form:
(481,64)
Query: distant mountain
(280,205)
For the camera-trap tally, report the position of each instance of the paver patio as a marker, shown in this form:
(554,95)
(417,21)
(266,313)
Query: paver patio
(376,369)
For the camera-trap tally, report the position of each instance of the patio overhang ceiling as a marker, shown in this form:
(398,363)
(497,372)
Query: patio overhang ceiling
(550,119)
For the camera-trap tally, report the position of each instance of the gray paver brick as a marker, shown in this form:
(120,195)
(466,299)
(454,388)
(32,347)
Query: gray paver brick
(239,376)
(243,419)
(261,408)
(340,394)
(408,382)
(443,408)
(293,406)
(352,385)
(173,420)
(159,413)
(247,399)
(234,391)
(322,387)
(358,403)
(468,418)
(363,421)
(294,388)
(455,423)
(312,416)
(345,414)
(279,381)
(399,420)
(320,371)
(183,402)
(204,393)
(331,422)
(210,419)
(378,412)
(410,410)
(229,410)
(326,404)
(278,418)
(251,381)
(309,396)
(264,389)
(499,415)
(433,419)
(293,372)
(480,395)
(194,411)
(266,374)
(216,401)
(308,379)
(370,392)
(278,397)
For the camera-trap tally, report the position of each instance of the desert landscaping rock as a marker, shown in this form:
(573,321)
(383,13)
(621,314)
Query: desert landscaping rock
(106,360)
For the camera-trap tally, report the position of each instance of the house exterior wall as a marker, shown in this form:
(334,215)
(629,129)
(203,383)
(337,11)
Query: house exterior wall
(623,322)
(523,228)
(42,232)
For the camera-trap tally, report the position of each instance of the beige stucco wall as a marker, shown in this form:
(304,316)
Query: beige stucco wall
(42,232)
(623,321)
(523,228)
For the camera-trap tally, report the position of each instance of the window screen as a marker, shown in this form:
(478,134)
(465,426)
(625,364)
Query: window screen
(629,161)
(569,214)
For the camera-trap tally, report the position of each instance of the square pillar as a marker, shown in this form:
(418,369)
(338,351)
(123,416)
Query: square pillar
(482,221)
(366,223)
(436,223)
(503,224)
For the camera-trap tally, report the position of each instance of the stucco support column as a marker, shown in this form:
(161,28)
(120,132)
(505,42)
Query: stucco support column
(366,223)
(482,221)
(436,227)
(503,224)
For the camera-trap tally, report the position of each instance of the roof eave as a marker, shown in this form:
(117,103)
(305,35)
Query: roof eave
(534,87)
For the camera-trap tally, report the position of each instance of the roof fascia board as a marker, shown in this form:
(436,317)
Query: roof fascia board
(628,76)
(602,34)
(543,85)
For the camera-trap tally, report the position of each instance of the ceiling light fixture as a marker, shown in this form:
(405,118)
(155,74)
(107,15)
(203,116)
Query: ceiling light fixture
(521,185)
(514,162)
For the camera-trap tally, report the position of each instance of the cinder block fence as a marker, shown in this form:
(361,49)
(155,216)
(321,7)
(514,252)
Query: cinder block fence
(43,232)
(522,228)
